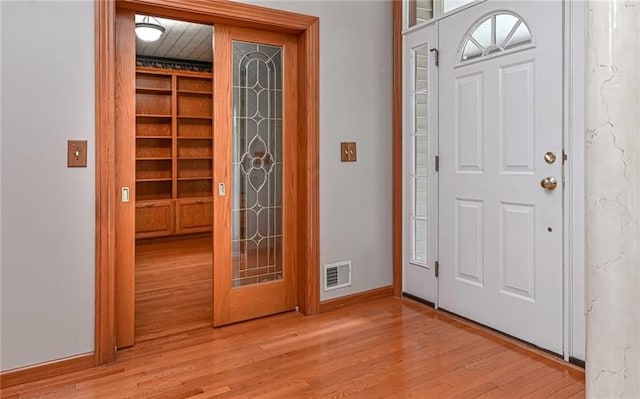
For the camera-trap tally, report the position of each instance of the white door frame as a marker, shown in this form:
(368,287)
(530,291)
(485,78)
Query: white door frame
(575,36)
(574,76)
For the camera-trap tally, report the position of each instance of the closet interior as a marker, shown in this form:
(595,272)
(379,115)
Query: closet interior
(174,172)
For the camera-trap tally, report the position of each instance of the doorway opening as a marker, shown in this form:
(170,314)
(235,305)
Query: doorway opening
(115,111)
(484,230)
(206,142)
(173,177)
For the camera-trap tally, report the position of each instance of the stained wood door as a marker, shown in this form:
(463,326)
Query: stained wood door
(254,198)
(125,148)
(500,140)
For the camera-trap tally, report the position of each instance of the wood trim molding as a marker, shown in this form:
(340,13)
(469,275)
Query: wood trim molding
(45,370)
(105,15)
(222,12)
(360,297)
(309,144)
(397,148)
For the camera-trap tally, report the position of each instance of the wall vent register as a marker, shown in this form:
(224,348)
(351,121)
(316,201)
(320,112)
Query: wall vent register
(337,275)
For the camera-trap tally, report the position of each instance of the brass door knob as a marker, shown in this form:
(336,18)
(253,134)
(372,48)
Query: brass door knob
(549,183)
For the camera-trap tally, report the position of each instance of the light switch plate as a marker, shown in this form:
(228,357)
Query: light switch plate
(344,152)
(77,153)
(353,155)
(348,152)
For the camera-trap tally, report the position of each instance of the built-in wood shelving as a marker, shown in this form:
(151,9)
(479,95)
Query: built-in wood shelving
(174,152)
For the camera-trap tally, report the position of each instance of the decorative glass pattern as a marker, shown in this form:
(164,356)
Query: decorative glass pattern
(257,164)
(419,170)
(496,33)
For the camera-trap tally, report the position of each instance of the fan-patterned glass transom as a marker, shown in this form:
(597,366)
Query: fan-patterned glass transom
(498,32)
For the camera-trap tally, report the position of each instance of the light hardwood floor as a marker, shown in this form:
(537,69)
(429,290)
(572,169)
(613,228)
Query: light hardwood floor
(389,347)
(173,286)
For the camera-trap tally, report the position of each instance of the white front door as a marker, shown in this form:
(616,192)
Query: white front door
(420,178)
(500,236)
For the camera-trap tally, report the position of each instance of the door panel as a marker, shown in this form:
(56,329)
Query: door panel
(254,218)
(469,241)
(517,250)
(517,150)
(125,147)
(421,179)
(500,112)
(154,219)
(468,119)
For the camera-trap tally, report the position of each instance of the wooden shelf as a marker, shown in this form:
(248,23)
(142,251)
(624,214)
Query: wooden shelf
(195,92)
(194,178)
(153,180)
(195,128)
(153,90)
(205,118)
(174,152)
(153,116)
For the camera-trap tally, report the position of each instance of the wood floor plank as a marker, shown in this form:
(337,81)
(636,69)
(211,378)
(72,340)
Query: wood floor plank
(174,283)
(387,348)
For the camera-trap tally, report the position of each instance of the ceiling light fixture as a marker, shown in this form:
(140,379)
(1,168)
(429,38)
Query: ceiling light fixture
(149,31)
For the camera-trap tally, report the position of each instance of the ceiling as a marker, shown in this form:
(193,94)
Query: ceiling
(181,40)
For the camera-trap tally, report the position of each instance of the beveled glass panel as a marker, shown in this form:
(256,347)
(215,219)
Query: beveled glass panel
(420,241)
(421,154)
(449,5)
(520,37)
(421,62)
(420,150)
(257,164)
(504,25)
(419,11)
(471,51)
(483,33)
(421,197)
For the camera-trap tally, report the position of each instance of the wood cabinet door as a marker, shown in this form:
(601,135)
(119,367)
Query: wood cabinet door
(194,215)
(154,218)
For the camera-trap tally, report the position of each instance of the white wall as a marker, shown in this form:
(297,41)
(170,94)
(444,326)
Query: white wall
(48,234)
(47,247)
(355,105)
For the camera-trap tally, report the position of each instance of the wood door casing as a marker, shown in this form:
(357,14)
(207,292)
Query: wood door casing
(107,229)
(242,303)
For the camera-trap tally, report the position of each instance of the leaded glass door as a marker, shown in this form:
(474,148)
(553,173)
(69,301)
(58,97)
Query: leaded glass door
(254,169)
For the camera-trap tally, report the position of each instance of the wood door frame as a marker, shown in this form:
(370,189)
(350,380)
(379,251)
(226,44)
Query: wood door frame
(397,162)
(306,28)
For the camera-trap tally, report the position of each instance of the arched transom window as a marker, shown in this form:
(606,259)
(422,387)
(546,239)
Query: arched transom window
(498,32)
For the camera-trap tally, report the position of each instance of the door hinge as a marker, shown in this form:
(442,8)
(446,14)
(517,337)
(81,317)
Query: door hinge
(437,163)
(564,157)
(437,53)
(437,269)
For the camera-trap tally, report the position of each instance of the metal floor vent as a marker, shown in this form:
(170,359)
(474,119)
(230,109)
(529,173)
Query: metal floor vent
(337,275)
